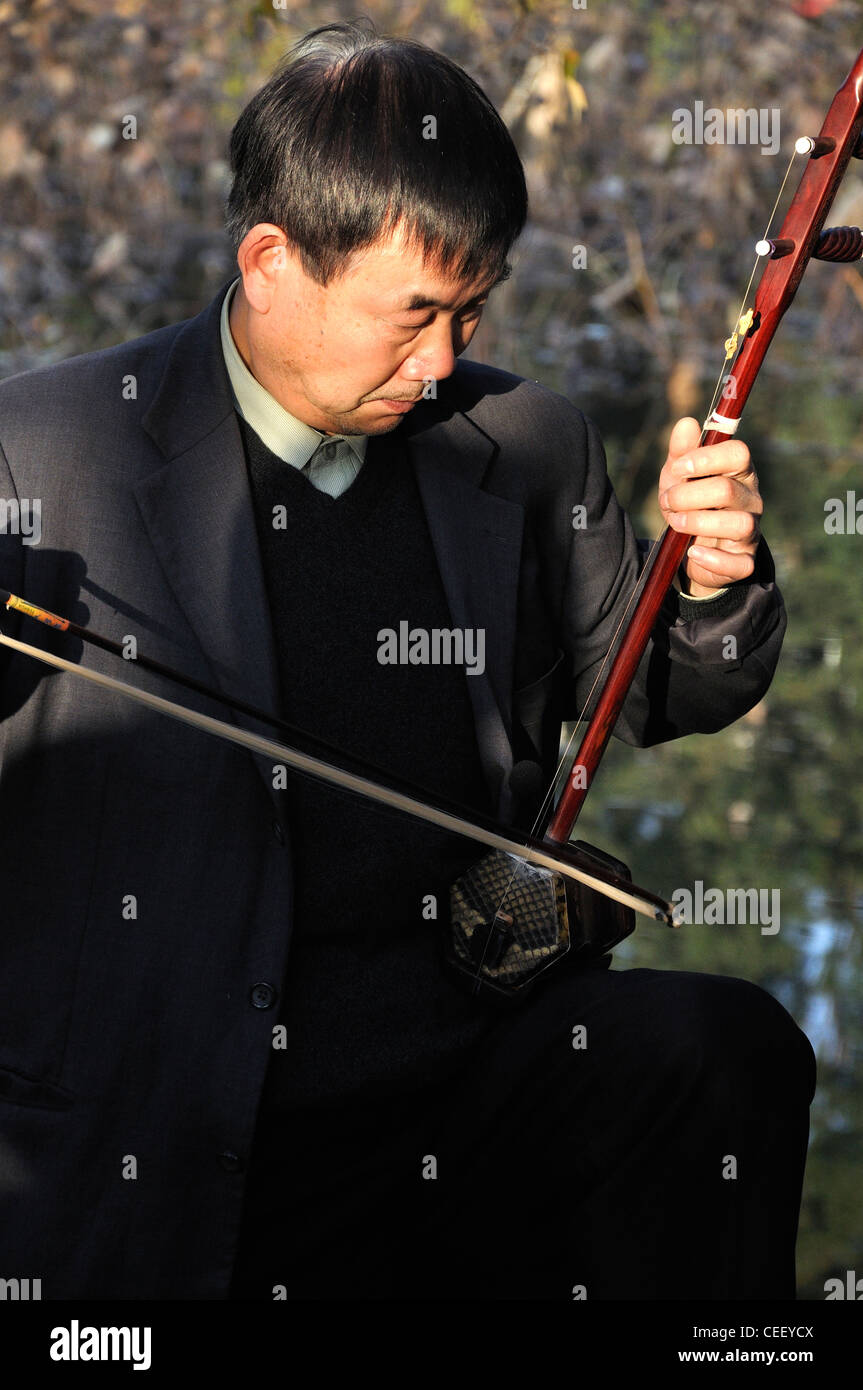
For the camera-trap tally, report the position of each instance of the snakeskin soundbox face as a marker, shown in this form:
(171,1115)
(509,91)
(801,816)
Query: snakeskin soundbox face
(509,921)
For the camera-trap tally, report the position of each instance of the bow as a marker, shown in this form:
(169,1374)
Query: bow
(568,860)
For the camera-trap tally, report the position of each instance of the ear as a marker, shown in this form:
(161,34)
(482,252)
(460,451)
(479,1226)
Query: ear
(264,258)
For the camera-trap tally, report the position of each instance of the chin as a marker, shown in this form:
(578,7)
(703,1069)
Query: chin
(385,426)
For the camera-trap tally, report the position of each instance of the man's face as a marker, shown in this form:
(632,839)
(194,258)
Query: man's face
(349,357)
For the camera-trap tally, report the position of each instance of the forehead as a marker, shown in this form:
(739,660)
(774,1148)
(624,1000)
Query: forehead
(397,269)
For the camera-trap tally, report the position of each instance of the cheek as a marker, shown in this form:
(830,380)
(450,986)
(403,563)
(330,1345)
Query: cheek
(371,358)
(357,352)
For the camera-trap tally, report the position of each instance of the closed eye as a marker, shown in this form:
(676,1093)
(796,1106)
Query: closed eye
(472,311)
(413,327)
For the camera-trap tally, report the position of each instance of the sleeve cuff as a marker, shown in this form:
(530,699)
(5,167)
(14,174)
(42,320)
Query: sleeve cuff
(714,605)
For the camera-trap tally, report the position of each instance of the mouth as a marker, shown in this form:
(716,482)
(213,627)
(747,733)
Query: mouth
(399,406)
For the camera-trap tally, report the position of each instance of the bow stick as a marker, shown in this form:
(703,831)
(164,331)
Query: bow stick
(567,860)
(800,239)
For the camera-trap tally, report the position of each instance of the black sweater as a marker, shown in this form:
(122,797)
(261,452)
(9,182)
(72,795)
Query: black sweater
(368,1006)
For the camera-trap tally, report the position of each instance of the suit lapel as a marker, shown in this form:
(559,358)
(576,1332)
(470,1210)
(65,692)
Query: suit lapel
(198,513)
(477,540)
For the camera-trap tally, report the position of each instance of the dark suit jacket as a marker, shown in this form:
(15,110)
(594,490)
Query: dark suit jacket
(145,868)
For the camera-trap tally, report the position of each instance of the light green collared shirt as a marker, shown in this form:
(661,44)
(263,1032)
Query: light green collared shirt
(337,458)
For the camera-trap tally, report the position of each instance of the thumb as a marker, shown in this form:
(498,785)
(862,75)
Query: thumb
(685,436)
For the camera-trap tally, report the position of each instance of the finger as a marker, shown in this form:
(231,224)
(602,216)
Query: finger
(716,567)
(730,547)
(731,456)
(724,493)
(716,525)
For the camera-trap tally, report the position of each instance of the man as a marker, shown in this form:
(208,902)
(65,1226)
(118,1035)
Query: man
(232,1063)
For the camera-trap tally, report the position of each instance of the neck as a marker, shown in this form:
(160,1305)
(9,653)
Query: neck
(238,317)
(238,323)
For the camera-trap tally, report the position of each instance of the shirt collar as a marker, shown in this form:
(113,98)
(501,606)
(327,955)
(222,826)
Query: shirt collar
(290,439)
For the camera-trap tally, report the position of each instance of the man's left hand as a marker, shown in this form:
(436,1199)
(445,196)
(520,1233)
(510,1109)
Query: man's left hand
(712,495)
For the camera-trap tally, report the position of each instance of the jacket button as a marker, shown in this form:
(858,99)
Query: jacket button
(263,996)
(231,1162)
(278,832)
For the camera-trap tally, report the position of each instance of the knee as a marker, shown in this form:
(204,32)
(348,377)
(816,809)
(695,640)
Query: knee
(742,1029)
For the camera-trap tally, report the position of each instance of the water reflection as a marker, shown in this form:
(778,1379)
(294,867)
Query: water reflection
(818,941)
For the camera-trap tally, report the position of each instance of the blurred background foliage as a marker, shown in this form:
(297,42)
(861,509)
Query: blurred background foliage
(104,238)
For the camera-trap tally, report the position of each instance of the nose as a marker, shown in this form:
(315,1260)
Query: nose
(435,356)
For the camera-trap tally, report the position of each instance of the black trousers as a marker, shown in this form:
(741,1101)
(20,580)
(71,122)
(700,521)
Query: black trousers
(660,1157)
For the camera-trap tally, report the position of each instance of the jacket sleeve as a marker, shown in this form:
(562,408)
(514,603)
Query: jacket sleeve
(11,561)
(706,663)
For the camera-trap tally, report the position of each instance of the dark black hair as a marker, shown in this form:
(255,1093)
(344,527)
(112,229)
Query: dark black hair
(334,149)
